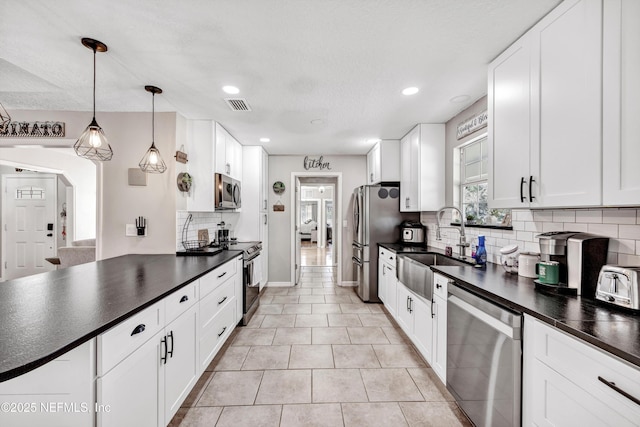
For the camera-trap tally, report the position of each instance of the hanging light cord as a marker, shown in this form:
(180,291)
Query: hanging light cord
(94,83)
(153,119)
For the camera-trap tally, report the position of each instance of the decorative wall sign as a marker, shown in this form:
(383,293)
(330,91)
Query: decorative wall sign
(318,163)
(278,187)
(278,207)
(472,124)
(181,157)
(33,130)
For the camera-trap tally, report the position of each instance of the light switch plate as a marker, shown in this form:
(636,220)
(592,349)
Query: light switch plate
(131,230)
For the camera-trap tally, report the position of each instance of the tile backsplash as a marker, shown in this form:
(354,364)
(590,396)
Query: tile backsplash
(203,220)
(621,225)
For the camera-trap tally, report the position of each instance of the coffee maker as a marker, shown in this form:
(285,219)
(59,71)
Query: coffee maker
(580,257)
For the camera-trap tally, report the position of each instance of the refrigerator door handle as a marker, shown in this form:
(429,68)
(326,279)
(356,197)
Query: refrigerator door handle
(356,261)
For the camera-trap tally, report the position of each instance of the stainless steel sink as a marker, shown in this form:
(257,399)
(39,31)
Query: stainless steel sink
(414,271)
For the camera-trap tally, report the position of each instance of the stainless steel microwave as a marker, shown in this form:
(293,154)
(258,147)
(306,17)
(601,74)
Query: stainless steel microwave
(228,192)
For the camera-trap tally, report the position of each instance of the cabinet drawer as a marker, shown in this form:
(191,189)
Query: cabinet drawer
(180,301)
(582,364)
(440,286)
(212,280)
(217,300)
(121,340)
(387,256)
(215,333)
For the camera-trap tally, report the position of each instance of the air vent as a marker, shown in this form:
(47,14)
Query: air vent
(238,104)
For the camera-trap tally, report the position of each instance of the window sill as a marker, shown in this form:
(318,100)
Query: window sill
(488,226)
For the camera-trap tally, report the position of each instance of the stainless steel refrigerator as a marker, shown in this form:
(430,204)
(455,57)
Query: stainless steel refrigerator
(376,219)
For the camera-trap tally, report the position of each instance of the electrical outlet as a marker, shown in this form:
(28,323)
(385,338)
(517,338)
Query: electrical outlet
(130,230)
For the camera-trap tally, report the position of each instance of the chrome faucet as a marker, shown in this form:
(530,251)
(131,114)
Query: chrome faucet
(463,245)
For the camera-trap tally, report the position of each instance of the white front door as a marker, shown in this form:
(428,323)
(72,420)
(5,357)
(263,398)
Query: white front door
(28,219)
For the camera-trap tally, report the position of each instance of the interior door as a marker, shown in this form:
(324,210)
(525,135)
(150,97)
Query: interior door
(29,204)
(298,239)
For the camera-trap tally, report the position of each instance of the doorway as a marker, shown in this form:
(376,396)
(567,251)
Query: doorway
(316,244)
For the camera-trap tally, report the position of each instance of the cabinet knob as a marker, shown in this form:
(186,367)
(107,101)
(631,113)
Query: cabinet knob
(438,286)
(138,329)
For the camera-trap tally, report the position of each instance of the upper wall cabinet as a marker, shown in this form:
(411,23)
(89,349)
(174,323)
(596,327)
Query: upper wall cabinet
(545,113)
(200,137)
(422,167)
(621,102)
(383,162)
(228,154)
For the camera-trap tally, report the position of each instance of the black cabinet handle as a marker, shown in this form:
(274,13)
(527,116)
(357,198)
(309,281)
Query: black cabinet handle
(407,303)
(223,300)
(522,198)
(163,343)
(619,390)
(432,313)
(410,305)
(170,352)
(531,181)
(222,275)
(140,328)
(223,329)
(50,235)
(184,299)
(438,286)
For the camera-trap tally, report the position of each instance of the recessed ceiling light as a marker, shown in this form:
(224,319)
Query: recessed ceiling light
(231,90)
(460,98)
(265,140)
(317,121)
(373,140)
(410,90)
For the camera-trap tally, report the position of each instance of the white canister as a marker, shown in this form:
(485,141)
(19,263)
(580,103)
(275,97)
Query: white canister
(527,264)
(509,258)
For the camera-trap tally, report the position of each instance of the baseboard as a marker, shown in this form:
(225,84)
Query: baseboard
(278,285)
(347,284)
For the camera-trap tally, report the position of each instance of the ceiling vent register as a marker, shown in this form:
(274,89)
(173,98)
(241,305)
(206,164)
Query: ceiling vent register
(237,104)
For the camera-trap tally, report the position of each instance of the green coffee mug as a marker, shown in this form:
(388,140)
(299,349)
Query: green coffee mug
(548,272)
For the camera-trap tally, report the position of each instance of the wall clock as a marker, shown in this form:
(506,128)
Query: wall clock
(278,187)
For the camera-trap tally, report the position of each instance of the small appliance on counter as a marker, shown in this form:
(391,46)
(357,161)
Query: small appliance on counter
(413,232)
(619,286)
(579,256)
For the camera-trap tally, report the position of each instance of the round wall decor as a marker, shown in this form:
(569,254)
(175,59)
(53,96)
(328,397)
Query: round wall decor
(278,187)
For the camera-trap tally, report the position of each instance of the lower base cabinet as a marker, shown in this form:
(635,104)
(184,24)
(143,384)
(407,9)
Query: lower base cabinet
(439,361)
(414,317)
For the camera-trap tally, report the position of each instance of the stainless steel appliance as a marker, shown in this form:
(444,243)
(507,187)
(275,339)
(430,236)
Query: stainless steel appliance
(252,276)
(227,192)
(484,359)
(412,232)
(619,286)
(580,255)
(376,219)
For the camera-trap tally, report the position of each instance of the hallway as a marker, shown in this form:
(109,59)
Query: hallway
(312,255)
(316,355)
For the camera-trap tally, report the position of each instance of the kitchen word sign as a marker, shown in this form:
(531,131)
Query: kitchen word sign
(472,124)
(33,130)
(318,163)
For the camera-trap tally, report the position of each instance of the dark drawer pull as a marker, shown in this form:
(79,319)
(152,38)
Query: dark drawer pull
(140,328)
(619,390)
(170,352)
(223,300)
(438,286)
(223,329)
(522,182)
(222,275)
(184,299)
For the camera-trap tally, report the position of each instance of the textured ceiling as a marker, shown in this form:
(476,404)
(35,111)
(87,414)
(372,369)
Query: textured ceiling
(342,61)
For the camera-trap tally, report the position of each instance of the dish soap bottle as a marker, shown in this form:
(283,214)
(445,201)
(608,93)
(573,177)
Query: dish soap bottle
(481,252)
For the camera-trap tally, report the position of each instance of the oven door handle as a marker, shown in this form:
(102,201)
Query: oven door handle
(252,258)
(482,316)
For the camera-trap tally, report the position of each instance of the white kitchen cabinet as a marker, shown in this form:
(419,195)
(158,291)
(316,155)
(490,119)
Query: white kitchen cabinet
(228,153)
(34,396)
(387,280)
(621,102)
(545,113)
(201,165)
(439,349)
(383,162)
(414,317)
(562,386)
(422,167)
(238,281)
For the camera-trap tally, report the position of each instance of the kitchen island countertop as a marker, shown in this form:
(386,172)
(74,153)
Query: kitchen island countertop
(45,315)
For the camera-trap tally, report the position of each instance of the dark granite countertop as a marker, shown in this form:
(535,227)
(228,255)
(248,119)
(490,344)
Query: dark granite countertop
(614,330)
(45,315)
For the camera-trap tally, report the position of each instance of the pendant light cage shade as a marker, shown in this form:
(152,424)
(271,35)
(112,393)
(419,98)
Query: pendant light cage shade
(152,161)
(5,119)
(93,144)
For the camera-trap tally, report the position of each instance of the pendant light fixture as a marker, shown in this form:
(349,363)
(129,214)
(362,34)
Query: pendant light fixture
(152,161)
(5,119)
(93,144)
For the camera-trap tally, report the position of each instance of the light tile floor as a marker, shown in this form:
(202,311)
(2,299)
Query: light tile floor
(316,355)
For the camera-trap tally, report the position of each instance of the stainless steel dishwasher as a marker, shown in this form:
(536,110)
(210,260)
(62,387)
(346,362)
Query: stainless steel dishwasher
(484,359)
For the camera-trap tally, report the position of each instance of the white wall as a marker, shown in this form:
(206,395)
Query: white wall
(354,171)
